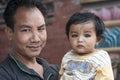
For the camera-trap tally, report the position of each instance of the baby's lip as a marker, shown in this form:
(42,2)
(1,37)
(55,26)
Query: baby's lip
(80,46)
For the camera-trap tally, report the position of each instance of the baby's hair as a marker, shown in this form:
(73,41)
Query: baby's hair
(78,18)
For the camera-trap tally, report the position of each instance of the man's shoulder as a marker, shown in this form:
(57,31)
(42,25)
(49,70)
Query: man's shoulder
(54,67)
(4,62)
(4,70)
(47,65)
(4,65)
(50,69)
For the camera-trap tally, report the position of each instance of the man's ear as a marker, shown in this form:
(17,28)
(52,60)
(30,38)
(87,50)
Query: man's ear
(9,32)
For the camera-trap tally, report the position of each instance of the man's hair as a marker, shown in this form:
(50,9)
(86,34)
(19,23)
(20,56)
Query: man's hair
(78,18)
(13,5)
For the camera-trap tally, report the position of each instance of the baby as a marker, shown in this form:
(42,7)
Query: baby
(83,61)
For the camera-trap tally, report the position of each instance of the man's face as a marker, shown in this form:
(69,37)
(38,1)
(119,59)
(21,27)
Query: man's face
(29,36)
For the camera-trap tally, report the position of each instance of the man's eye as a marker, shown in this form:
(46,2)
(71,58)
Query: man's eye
(41,28)
(87,35)
(25,30)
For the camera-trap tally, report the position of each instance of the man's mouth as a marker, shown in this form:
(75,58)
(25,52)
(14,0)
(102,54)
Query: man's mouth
(34,48)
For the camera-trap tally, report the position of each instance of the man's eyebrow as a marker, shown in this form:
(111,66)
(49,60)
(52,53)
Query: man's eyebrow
(43,25)
(24,26)
(27,26)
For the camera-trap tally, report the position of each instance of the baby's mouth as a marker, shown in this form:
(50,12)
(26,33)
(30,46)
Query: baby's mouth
(80,46)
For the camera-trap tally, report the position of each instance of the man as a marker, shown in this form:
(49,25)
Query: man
(26,30)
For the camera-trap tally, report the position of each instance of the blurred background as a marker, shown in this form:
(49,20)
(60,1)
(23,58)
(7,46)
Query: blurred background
(59,12)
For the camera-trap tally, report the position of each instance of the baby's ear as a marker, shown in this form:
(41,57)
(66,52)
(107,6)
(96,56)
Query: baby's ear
(99,39)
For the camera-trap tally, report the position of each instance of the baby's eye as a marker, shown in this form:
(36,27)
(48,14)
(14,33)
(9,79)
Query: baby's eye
(74,35)
(87,35)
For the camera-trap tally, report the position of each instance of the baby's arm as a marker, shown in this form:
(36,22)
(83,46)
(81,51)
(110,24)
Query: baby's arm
(104,73)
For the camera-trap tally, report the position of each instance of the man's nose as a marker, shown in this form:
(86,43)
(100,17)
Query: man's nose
(35,37)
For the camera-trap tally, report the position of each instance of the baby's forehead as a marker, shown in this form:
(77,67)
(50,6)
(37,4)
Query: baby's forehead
(88,24)
(89,27)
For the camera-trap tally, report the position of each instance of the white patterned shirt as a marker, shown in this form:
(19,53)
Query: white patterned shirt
(94,66)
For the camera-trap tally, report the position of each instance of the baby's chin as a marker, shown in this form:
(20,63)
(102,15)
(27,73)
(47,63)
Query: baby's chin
(82,52)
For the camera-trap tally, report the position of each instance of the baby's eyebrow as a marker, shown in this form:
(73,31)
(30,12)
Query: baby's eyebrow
(88,31)
(73,32)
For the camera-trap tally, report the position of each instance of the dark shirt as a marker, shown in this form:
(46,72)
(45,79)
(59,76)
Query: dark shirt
(12,69)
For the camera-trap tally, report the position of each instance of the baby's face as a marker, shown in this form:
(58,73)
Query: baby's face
(82,37)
